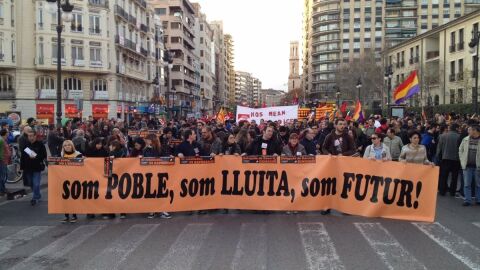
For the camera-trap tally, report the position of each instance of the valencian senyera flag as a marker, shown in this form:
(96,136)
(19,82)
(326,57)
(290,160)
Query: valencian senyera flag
(358,111)
(407,89)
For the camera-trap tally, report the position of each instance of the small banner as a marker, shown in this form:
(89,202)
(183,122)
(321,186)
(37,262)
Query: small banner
(283,113)
(350,185)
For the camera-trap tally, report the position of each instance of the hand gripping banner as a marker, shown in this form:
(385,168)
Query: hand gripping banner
(141,185)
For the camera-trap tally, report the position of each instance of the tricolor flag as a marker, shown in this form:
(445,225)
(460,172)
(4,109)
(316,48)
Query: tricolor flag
(407,89)
(221,116)
(358,111)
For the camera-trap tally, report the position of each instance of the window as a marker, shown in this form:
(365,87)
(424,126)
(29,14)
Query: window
(98,85)
(40,18)
(40,51)
(6,83)
(436,101)
(201,27)
(452,96)
(14,50)
(12,12)
(460,96)
(95,56)
(1,13)
(460,66)
(452,69)
(44,82)
(452,39)
(460,36)
(76,24)
(54,52)
(77,55)
(72,84)
(94,24)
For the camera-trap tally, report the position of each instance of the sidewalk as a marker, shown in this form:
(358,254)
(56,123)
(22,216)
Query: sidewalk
(19,185)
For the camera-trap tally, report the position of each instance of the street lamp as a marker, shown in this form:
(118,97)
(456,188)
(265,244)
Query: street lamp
(359,86)
(388,76)
(474,51)
(337,94)
(66,17)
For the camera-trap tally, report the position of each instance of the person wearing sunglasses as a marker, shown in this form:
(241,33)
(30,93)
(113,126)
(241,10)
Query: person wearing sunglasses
(377,150)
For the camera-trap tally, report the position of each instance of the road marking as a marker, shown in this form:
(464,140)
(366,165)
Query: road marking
(184,251)
(113,256)
(251,247)
(319,248)
(24,198)
(454,244)
(387,247)
(21,237)
(56,250)
(476,224)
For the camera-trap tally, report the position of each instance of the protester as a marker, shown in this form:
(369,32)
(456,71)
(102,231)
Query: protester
(394,144)
(308,143)
(32,163)
(189,147)
(414,152)
(5,156)
(448,154)
(209,143)
(293,148)
(230,147)
(469,153)
(377,150)
(80,142)
(69,152)
(265,145)
(152,146)
(138,147)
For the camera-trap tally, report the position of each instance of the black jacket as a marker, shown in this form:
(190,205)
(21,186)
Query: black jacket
(36,164)
(273,147)
(310,146)
(188,149)
(93,152)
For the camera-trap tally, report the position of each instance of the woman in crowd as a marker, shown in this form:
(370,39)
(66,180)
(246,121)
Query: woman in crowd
(154,149)
(377,150)
(138,147)
(242,139)
(230,147)
(414,152)
(69,152)
(293,148)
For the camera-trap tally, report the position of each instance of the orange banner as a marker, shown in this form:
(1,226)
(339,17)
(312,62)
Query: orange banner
(350,185)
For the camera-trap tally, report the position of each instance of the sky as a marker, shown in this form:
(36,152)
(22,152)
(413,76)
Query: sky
(261,31)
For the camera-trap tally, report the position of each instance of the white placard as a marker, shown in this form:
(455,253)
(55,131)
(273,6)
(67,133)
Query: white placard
(283,113)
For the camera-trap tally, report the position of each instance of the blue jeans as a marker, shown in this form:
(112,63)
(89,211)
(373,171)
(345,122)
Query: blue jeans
(468,177)
(3,176)
(35,178)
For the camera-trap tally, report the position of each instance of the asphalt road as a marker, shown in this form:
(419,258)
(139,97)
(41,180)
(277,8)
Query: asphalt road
(32,239)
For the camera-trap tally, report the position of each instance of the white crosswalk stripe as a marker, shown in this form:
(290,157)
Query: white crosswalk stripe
(387,247)
(251,248)
(113,256)
(477,224)
(21,237)
(454,244)
(58,249)
(319,248)
(184,251)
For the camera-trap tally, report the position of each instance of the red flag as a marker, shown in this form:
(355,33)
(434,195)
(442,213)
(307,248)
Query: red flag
(264,105)
(295,99)
(343,108)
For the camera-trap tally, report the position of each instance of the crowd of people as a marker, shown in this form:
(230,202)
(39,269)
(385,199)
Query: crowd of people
(450,141)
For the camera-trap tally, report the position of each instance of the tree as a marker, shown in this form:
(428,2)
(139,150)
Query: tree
(371,74)
(289,97)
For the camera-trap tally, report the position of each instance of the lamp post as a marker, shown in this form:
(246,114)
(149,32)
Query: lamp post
(337,94)
(359,87)
(66,17)
(388,76)
(474,44)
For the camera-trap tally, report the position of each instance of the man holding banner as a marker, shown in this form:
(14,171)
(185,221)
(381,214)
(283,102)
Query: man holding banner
(265,145)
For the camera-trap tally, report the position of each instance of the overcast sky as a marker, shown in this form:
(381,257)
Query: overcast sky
(262,31)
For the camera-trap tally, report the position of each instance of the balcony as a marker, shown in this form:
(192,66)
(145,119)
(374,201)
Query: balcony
(120,12)
(460,76)
(402,63)
(94,31)
(433,54)
(451,77)
(96,64)
(410,61)
(74,94)
(100,95)
(451,48)
(38,61)
(121,69)
(416,59)
(144,52)
(7,93)
(46,93)
(143,28)
(98,3)
(460,46)
(132,20)
(78,62)
(63,60)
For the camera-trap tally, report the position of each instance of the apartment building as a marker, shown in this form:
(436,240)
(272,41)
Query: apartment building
(221,96)
(203,48)
(294,81)
(8,55)
(230,67)
(271,97)
(442,59)
(256,88)
(108,59)
(179,24)
(405,19)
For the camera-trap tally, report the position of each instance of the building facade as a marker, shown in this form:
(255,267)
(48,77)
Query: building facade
(221,78)
(271,97)
(408,18)
(247,89)
(108,57)
(294,81)
(230,67)
(442,59)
